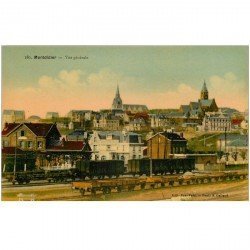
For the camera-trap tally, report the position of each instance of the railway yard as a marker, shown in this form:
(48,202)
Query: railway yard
(221,186)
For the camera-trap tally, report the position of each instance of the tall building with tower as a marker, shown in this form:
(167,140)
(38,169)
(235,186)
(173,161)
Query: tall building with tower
(117,102)
(133,108)
(204,92)
(203,105)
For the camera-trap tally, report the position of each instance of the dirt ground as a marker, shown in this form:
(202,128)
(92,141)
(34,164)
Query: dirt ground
(223,191)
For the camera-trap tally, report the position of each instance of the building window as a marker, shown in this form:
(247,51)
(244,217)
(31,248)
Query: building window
(5,143)
(22,144)
(22,133)
(108,147)
(39,144)
(103,158)
(30,144)
(96,157)
(95,148)
(134,156)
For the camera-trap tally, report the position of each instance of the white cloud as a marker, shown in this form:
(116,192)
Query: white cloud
(229,91)
(77,90)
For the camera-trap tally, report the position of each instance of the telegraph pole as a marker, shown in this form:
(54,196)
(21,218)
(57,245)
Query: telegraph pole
(226,139)
(150,160)
(14,170)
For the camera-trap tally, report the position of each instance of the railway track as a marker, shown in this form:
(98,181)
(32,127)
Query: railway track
(88,196)
(45,182)
(119,185)
(34,184)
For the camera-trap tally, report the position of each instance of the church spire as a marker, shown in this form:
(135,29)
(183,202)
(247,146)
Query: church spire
(117,91)
(204,92)
(117,102)
(204,87)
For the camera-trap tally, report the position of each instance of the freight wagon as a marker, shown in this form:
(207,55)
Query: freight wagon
(160,166)
(100,169)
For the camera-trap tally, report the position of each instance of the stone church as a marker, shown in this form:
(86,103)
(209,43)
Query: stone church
(118,106)
(203,105)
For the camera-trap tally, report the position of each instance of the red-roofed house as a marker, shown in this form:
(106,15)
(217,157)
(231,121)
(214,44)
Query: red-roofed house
(43,138)
(30,136)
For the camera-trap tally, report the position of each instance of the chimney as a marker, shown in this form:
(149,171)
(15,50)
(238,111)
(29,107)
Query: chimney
(63,141)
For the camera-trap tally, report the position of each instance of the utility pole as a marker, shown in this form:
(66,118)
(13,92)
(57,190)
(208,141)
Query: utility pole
(14,170)
(150,159)
(226,139)
(151,167)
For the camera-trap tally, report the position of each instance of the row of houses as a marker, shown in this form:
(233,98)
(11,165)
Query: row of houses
(202,114)
(52,148)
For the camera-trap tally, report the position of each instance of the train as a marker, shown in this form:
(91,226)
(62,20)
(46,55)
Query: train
(104,168)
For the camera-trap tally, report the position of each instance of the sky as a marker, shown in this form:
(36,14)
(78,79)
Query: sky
(158,76)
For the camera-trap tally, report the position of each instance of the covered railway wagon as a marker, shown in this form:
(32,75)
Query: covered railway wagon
(100,169)
(160,166)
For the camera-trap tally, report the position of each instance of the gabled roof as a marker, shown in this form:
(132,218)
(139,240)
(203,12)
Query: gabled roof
(170,136)
(206,103)
(194,105)
(10,127)
(40,129)
(185,108)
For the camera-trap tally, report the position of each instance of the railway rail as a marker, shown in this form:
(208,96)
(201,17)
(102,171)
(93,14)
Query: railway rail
(129,184)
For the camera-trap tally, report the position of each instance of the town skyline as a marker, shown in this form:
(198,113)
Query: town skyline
(159,77)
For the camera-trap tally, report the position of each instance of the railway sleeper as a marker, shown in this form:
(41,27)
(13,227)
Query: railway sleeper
(119,189)
(143,185)
(171,183)
(131,187)
(82,191)
(106,190)
(181,182)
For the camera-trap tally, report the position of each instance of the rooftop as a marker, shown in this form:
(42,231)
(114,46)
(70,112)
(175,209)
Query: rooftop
(67,146)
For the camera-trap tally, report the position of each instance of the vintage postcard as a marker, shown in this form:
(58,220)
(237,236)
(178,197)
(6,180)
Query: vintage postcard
(124,123)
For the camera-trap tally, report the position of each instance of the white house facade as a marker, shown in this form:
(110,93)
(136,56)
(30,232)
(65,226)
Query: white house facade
(214,121)
(116,145)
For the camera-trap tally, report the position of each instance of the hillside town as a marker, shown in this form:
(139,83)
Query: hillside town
(214,135)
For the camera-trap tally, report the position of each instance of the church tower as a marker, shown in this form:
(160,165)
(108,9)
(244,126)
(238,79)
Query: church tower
(204,92)
(117,102)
